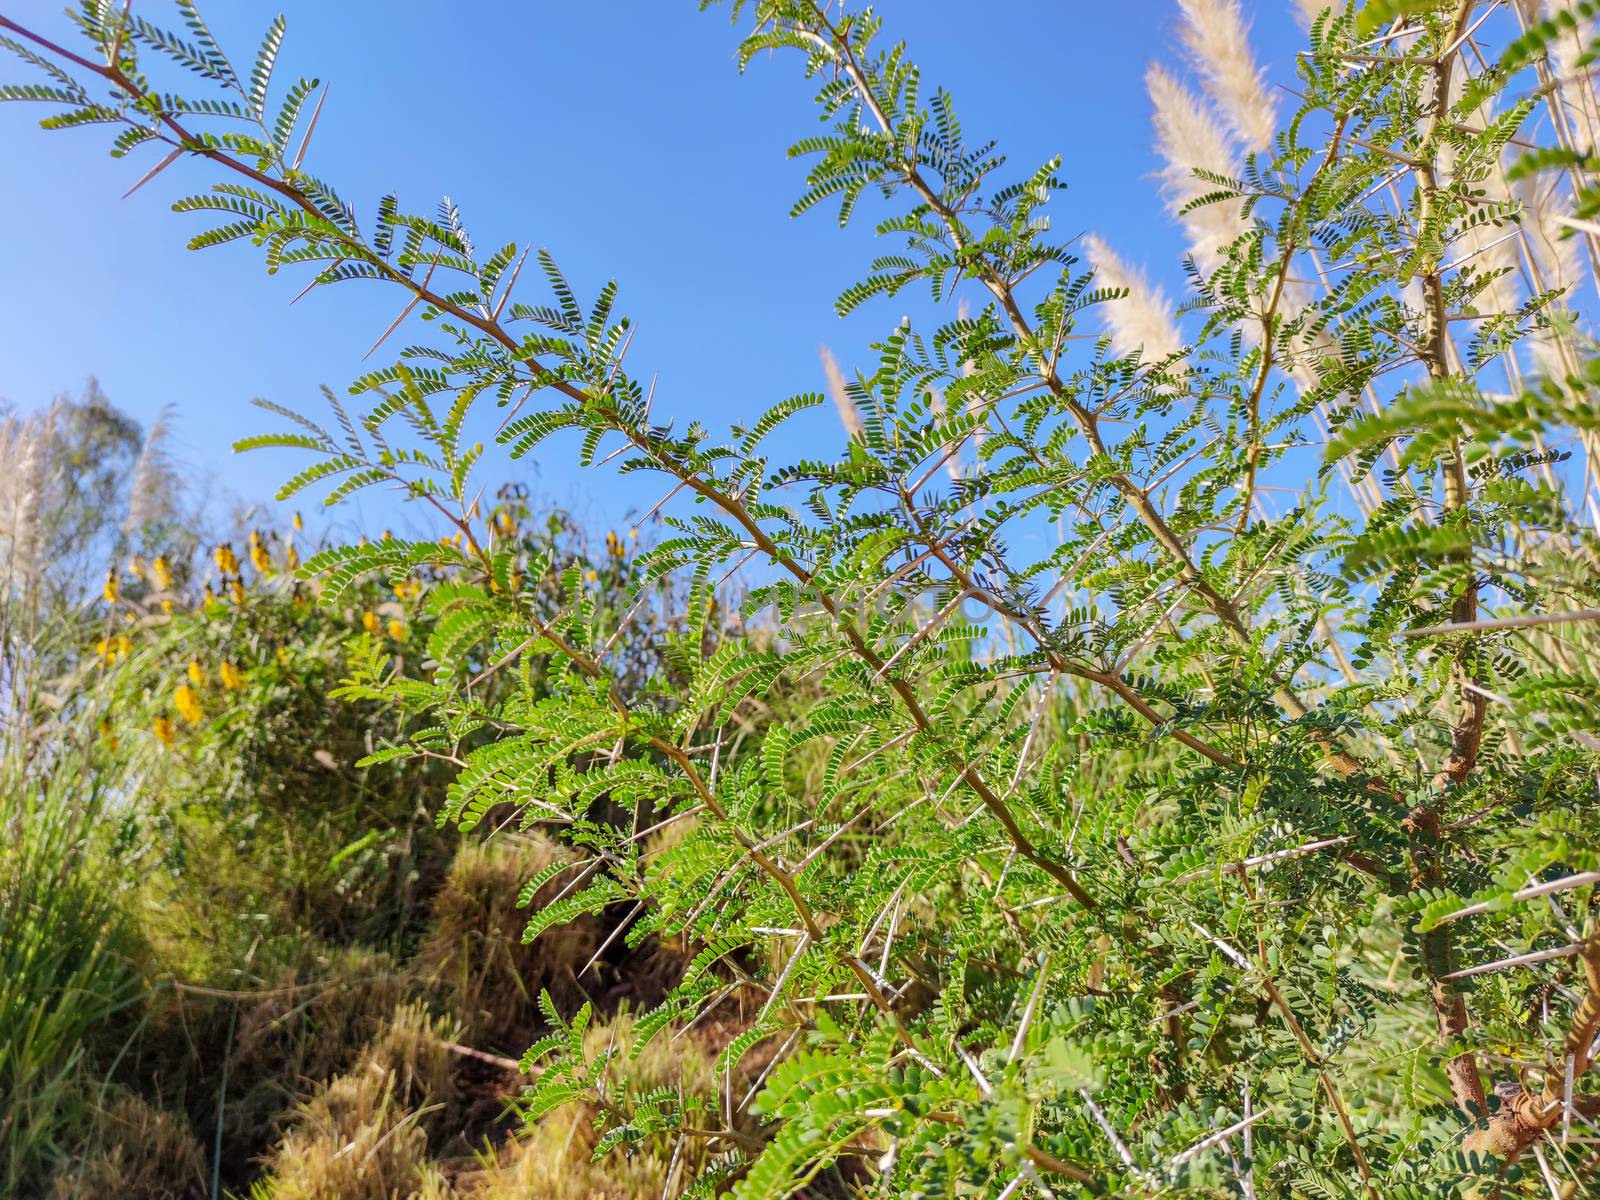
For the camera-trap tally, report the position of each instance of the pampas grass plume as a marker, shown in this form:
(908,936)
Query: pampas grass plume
(1188,137)
(849,416)
(1140,321)
(1217,38)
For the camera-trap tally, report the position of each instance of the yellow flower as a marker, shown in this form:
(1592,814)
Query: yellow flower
(232,677)
(259,558)
(196,673)
(283,656)
(109,588)
(166,607)
(298,523)
(208,596)
(397,631)
(161,574)
(136,566)
(187,702)
(163,729)
(505,523)
(591,575)
(109,735)
(236,590)
(227,561)
(516,582)
(370,622)
(291,557)
(109,649)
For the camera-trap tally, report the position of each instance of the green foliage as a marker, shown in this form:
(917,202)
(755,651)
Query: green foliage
(68,965)
(1041,875)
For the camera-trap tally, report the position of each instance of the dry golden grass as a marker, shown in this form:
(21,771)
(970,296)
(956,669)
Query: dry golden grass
(316,1018)
(353,1141)
(411,1049)
(475,954)
(553,1160)
(141,1153)
(308,1027)
(365,1135)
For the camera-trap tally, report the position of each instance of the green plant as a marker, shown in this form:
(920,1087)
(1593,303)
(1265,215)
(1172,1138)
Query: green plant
(68,965)
(1202,854)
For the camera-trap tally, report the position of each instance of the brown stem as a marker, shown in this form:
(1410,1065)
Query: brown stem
(1527,1117)
(1423,824)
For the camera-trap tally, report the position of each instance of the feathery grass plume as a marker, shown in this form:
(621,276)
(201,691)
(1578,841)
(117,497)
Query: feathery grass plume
(1491,251)
(1554,263)
(1305,367)
(1574,81)
(1189,138)
(952,464)
(27,447)
(1218,40)
(974,401)
(1557,260)
(1307,11)
(1488,248)
(153,476)
(1142,319)
(849,416)
(13,446)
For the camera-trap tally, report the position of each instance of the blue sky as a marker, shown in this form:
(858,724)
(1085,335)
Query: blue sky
(620,135)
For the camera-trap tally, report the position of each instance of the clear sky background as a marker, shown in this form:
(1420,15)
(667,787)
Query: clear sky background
(617,133)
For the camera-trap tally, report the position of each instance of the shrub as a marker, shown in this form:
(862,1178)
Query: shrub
(1148,835)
